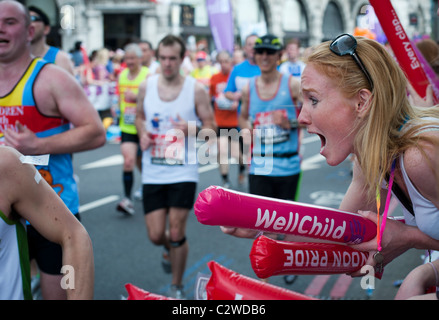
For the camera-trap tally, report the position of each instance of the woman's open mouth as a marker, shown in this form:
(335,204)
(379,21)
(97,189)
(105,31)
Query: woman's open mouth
(322,141)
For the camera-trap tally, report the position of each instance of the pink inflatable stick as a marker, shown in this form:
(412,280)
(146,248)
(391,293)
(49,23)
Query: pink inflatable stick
(217,206)
(271,258)
(136,293)
(401,45)
(225,284)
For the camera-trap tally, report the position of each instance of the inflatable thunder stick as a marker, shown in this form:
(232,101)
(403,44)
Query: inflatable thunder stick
(225,284)
(217,206)
(401,46)
(272,258)
(135,293)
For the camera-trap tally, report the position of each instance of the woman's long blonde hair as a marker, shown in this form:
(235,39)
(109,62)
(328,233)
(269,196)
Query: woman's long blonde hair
(379,139)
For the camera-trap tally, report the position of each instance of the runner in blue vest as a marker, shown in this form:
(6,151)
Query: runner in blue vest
(269,108)
(39,47)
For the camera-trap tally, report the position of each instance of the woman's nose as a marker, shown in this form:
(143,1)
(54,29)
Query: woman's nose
(304,118)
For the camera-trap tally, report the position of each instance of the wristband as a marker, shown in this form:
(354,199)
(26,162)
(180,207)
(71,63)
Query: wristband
(435,273)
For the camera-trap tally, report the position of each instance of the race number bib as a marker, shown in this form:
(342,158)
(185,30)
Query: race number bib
(129,115)
(267,131)
(223,103)
(167,150)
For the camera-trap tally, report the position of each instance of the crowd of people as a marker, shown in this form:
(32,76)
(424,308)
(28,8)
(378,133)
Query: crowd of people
(256,101)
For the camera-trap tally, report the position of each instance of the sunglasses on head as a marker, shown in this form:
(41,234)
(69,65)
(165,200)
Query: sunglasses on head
(268,51)
(35,18)
(346,44)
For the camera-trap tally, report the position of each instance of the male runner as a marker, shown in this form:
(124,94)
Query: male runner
(128,83)
(169,106)
(39,47)
(269,108)
(226,116)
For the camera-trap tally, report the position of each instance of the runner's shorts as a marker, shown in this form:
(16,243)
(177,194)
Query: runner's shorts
(284,188)
(159,196)
(128,137)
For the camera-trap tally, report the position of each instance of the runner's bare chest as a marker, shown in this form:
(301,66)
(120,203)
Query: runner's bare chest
(267,89)
(169,91)
(8,81)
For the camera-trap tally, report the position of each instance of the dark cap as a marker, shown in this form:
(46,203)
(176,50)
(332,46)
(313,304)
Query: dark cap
(41,14)
(268,41)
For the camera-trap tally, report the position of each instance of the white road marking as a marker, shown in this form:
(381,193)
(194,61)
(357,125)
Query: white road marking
(98,203)
(105,162)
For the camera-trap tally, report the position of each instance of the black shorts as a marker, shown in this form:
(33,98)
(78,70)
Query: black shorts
(159,196)
(127,137)
(47,254)
(285,188)
(134,138)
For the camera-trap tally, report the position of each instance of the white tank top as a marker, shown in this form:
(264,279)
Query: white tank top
(426,214)
(172,158)
(14,260)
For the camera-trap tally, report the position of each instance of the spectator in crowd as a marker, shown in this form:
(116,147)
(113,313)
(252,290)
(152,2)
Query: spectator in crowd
(355,100)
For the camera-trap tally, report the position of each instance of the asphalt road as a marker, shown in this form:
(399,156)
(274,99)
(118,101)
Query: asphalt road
(123,253)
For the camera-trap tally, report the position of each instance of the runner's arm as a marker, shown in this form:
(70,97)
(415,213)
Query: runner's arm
(295,91)
(143,134)
(58,94)
(203,108)
(33,199)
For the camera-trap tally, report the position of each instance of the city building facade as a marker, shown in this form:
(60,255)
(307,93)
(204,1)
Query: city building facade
(114,23)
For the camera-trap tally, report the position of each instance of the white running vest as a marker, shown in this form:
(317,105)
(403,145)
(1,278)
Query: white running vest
(172,158)
(426,214)
(14,260)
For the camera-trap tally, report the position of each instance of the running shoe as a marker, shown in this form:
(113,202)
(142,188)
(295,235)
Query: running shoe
(166,263)
(289,279)
(226,184)
(126,206)
(177,292)
(138,195)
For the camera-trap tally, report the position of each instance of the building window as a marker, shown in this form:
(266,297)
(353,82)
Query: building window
(332,22)
(120,29)
(294,16)
(250,17)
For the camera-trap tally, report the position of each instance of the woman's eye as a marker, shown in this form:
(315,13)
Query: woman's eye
(313,101)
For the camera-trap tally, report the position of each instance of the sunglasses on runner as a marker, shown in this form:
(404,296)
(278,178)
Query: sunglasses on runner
(346,44)
(268,51)
(35,18)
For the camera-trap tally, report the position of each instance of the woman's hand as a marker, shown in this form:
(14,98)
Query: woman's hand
(393,242)
(240,232)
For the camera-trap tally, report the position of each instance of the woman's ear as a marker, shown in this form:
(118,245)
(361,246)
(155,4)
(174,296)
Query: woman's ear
(363,102)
